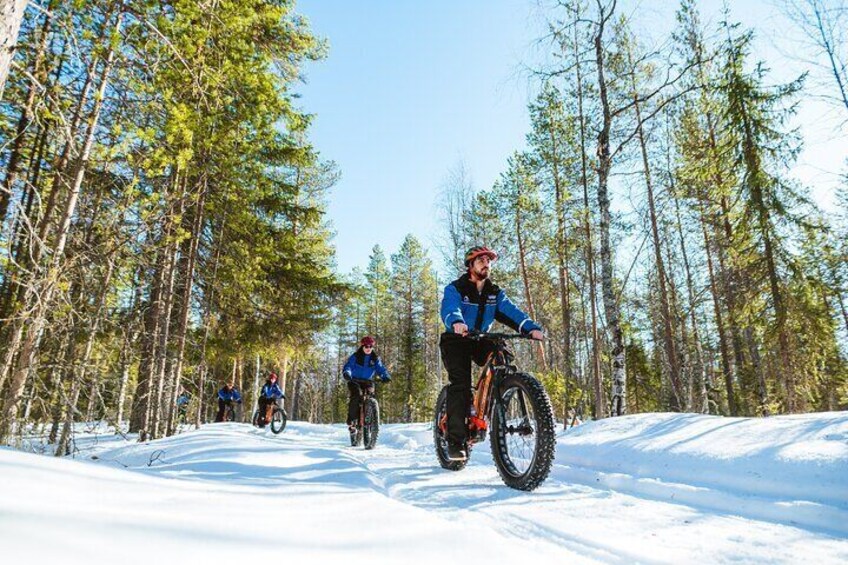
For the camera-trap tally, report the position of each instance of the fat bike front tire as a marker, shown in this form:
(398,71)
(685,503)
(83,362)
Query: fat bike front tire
(371,428)
(523,436)
(278,420)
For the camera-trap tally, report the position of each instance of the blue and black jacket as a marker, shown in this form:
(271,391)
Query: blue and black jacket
(231,395)
(479,310)
(271,390)
(362,367)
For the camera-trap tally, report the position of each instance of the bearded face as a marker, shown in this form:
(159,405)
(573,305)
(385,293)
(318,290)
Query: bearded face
(480,267)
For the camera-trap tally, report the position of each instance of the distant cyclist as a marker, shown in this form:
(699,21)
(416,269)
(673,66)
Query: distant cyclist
(182,404)
(270,394)
(359,372)
(228,395)
(472,302)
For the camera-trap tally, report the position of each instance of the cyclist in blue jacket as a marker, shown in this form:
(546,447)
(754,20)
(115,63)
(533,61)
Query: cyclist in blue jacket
(359,372)
(182,404)
(472,303)
(269,396)
(228,394)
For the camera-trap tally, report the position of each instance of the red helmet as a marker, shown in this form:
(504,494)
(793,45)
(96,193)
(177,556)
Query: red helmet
(479,251)
(368,340)
(272,377)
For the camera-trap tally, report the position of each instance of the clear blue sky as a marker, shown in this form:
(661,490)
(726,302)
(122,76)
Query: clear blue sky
(411,87)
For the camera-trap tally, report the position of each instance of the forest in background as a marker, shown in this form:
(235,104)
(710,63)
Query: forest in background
(164,224)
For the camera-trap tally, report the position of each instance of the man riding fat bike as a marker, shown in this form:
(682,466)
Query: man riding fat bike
(472,303)
(359,372)
(270,394)
(228,395)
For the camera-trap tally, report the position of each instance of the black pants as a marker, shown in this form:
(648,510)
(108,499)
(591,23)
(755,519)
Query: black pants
(357,391)
(264,403)
(457,353)
(222,404)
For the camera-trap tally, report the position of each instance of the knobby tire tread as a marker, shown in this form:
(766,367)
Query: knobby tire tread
(545,434)
(440,442)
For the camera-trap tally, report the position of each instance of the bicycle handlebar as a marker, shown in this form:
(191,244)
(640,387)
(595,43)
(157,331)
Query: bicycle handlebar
(496,335)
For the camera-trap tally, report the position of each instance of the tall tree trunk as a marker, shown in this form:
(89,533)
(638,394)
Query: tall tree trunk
(589,249)
(207,321)
(844,311)
(724,347)
(611,306)
(185,306)
(700,370)
(163,359)
(25,119)
(142,398)
(11,16)
(562,266)
(57,391)
(124,362)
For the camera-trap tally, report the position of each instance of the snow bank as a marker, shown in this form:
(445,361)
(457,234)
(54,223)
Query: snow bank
(789,469)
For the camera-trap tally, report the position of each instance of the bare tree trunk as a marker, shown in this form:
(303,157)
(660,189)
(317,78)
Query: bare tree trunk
(611,306)
(298,381)
(142,398)
(201,391)
(124,364)
(726,362)
(842,308)
(562,266)
(700,370)
(11,16)
(57,388)
(204,368)
(589,250)
(163,358)
(185,306)
(26,114)
(407,403)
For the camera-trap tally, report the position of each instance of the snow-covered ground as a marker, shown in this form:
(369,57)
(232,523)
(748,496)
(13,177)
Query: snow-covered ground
(651,488)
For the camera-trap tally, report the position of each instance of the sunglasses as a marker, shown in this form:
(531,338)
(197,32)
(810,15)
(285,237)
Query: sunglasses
(367,347)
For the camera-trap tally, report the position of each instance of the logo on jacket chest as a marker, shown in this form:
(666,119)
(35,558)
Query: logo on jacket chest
(491,300)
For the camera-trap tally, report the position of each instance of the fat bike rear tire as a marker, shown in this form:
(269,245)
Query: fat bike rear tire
(439,440)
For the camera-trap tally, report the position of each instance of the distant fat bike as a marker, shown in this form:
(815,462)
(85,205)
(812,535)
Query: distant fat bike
(367,428)
(275,416)
(514,409)
(230,412)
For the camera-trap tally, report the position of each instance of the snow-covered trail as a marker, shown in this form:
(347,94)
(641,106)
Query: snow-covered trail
(654,488)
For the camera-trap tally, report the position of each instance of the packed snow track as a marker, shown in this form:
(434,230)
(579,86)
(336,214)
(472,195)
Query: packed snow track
(651,488)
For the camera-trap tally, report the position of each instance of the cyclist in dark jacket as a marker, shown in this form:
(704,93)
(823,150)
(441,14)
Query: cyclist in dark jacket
(472,303)
(359,372)
(182,404)
(269,396)
(227,395)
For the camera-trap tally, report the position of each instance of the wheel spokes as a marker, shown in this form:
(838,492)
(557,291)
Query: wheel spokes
(519,431)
